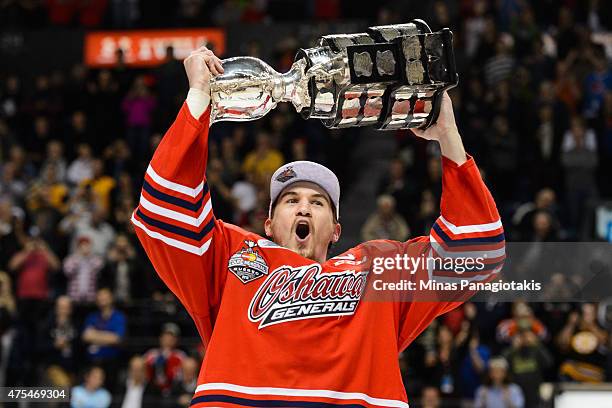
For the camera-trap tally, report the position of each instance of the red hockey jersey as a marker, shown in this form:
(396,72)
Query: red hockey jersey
(281,330)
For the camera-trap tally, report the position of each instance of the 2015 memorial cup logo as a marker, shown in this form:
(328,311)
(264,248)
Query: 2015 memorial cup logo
(304,293)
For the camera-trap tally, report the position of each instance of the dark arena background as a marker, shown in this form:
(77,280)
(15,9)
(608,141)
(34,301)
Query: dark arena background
(88,88)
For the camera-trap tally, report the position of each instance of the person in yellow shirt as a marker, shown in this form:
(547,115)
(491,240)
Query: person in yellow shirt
(48,190)
(263,160)
(101,185)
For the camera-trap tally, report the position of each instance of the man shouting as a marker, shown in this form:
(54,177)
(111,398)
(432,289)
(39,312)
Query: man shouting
(283,325)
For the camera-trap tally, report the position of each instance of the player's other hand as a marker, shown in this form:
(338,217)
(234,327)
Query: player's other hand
(201,65)
(445,127)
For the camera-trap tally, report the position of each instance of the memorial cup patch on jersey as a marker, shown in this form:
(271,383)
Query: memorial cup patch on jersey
(247,264)
(305,292)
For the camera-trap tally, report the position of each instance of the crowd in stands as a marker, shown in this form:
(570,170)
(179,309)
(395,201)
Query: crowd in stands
(80,305)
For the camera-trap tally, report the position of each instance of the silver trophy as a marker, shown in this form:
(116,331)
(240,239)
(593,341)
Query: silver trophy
(390,77)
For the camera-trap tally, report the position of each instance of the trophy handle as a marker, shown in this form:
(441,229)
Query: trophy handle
(447,42)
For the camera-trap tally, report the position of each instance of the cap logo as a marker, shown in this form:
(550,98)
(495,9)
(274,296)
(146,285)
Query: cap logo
(286,175)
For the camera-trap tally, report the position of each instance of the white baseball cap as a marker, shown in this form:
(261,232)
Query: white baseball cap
(303,170)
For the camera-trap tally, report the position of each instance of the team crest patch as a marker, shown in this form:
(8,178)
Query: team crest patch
(305,292)
(247,264)
(286,174)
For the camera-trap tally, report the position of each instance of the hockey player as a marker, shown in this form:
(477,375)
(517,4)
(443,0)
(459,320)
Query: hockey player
(283,325)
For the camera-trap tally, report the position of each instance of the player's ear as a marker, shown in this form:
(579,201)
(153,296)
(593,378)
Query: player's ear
(268,227)
(337,232)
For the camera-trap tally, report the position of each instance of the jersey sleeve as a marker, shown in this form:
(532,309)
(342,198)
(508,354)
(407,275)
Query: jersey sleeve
(469,227)
(175,223)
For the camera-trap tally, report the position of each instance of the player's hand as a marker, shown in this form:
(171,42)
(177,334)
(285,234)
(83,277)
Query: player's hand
(201,65)
(446,133)
(445,126)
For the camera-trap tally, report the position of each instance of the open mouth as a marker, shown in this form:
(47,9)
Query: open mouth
(302,230)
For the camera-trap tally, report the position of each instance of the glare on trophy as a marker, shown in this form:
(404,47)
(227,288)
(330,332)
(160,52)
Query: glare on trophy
(390,77)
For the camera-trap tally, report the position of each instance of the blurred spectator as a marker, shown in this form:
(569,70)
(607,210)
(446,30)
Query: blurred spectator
(82,268)
(91,393)
(24,169)
(91,225)
(164,364)
(11,231)
(48,191)
(101,185)
(124,273)
(171,85)
(244,194)
(597,82)
(548,137)
(523,219)
(104,111)
(396,183)
(433,181)
(120,162)
(55,158)
(430,398)
(569,90)
(500,66)
(81,168)
(474,365)
(427,214)
(525,31)
(103,333)
(221,195)
(11,185)
(584,344)
(231,162)
(138,107)
(9,339)
(184,388)
(522,319)
(543,228)
(502,158)
(38,139)
(58,344)
(579,159)
(138,392)
(32,267)
(7,300)
(385,223)
(441,363)
(499,391)
(263,160)
(529,360)
(77,133)
(567,35)
(11,96)
(15,353)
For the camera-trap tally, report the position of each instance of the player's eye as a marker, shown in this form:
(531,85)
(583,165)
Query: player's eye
(318,202)
(291,200)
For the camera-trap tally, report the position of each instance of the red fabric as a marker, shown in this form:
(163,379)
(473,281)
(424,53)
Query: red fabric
(32,282)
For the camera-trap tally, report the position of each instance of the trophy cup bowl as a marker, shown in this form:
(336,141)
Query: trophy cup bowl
(390,77)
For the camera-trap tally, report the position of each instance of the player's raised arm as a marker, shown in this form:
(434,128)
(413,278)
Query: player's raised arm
(468,227)
(469,224)
(174,219)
